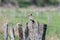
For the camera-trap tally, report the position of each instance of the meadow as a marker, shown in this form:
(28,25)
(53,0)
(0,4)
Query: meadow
(20,15)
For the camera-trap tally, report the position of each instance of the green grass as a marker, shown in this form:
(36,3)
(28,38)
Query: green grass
(18,16)
(1,36)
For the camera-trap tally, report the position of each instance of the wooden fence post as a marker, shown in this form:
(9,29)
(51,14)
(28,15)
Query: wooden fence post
(38,27)
(26,32)
(6,31)
(33,30)
(44,31)
(20,31)
(12,34)
(40,31)
(36,31)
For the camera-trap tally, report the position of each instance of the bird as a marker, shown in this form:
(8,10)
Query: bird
(31,18)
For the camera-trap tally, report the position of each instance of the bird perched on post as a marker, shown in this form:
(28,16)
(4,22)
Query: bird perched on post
(31,18)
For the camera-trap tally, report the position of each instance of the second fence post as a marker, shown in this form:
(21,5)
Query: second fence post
(44,31)
(6,31)
(12,34)
(26,32)
(20,31)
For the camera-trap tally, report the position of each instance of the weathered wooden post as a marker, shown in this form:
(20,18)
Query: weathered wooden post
(20,31)
(12,34)
(33,30)
(38,27)
(26,32)
(36,31)
(6,31)
(39,31)
(44,31)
